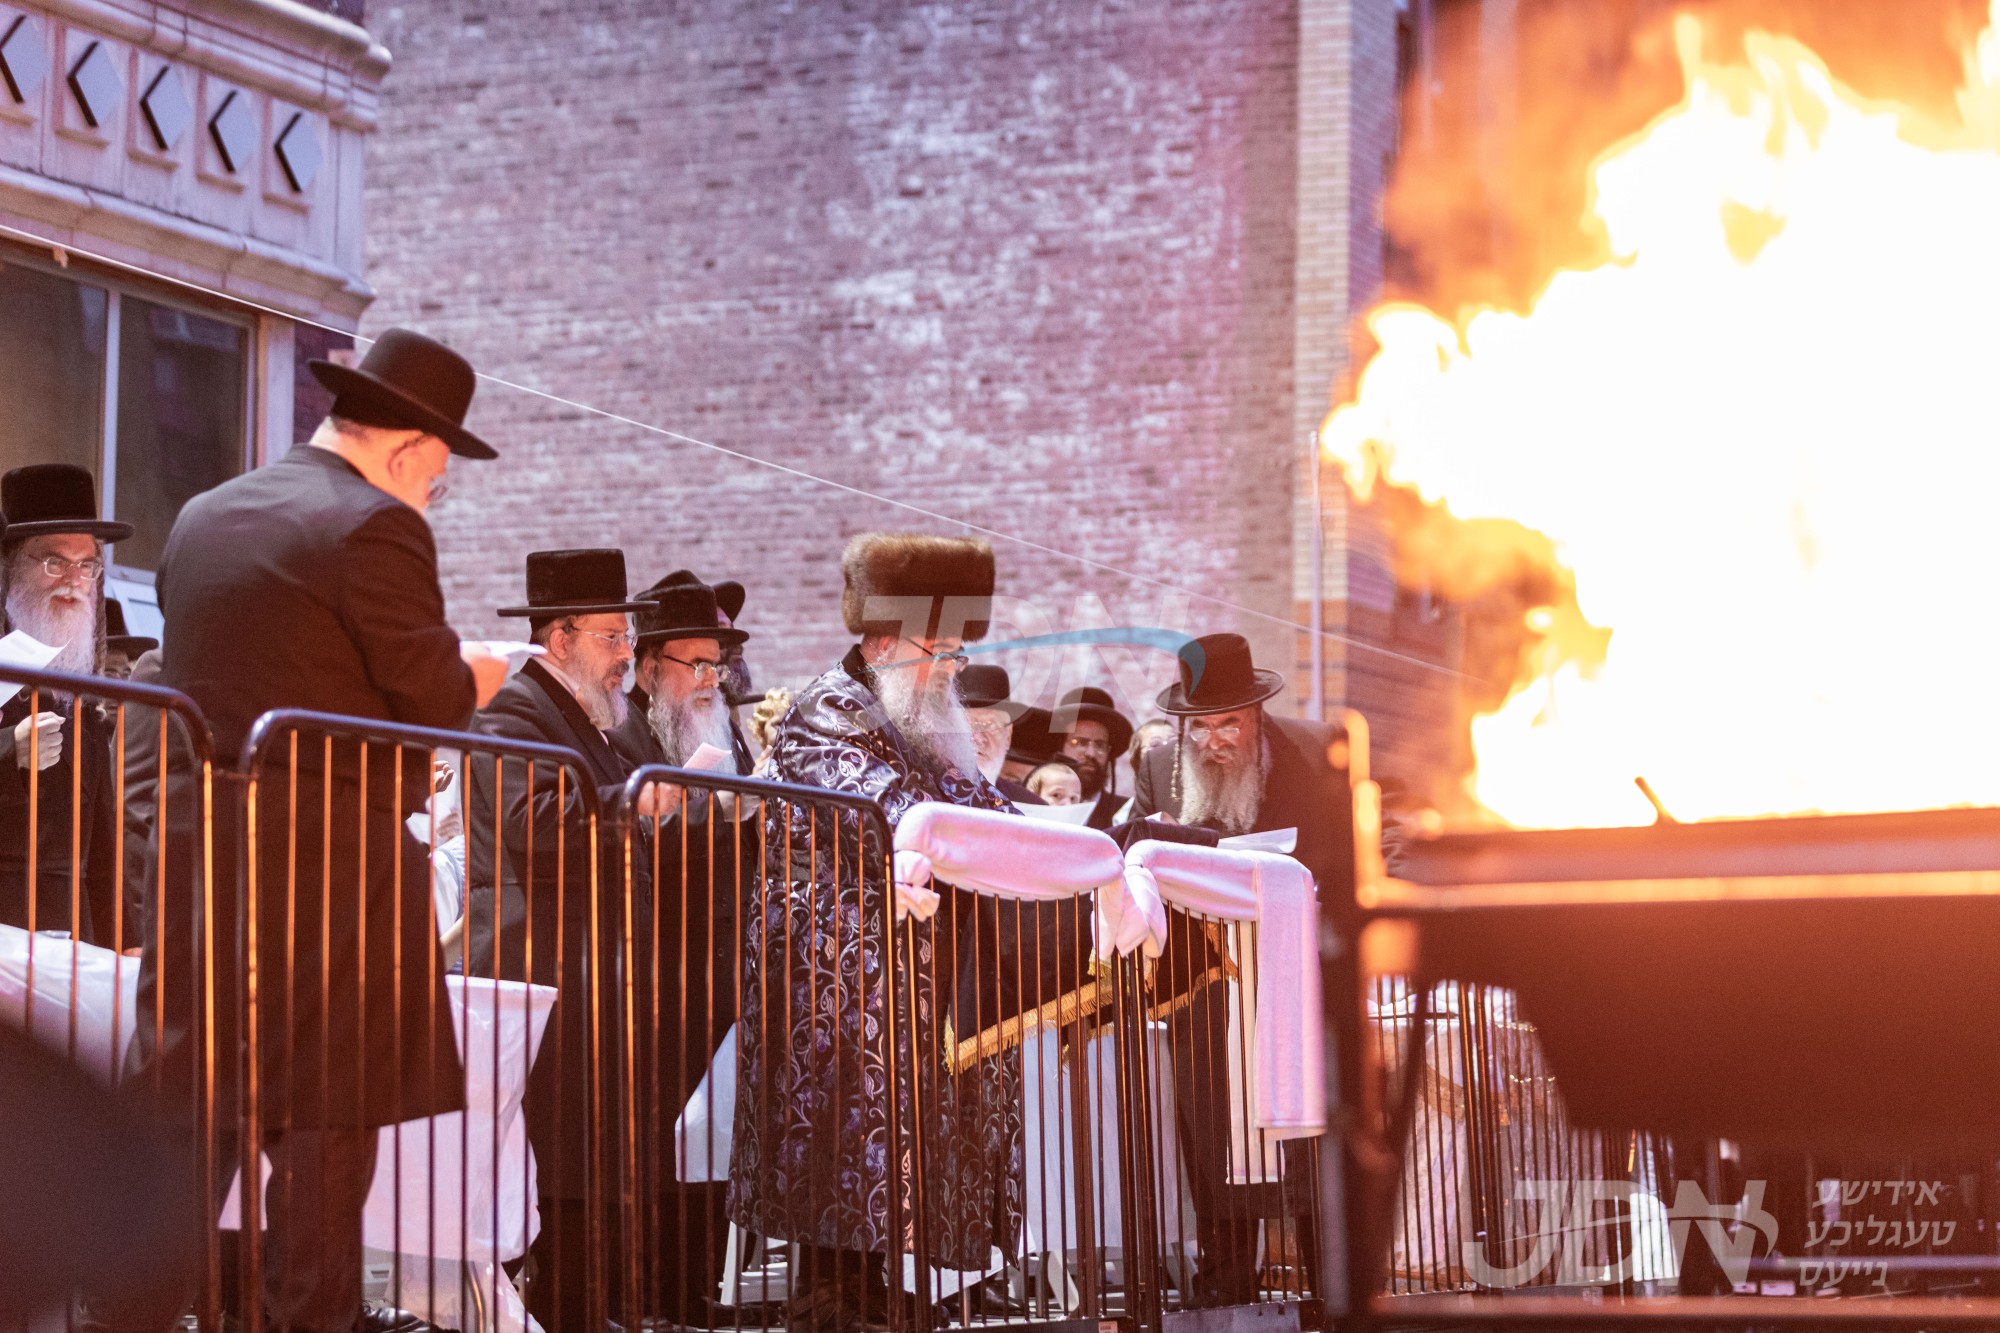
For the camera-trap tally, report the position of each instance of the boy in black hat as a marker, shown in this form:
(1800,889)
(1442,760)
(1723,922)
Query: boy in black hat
(121,647)
(52,586)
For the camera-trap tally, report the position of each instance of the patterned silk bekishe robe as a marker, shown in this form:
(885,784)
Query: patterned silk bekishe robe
(812,1146)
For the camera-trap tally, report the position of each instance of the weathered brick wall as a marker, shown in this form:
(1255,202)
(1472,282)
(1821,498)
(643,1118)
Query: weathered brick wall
(1027,265)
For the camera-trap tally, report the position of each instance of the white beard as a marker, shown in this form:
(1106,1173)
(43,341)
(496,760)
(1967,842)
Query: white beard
(73,626)
(991,771)
(1226,799)
(933,721)
(684,727)
(606,708)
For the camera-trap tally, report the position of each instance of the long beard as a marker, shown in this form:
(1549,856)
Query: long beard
(605,706)
(73,625)
(1225,798)
(932,721)
(684,726)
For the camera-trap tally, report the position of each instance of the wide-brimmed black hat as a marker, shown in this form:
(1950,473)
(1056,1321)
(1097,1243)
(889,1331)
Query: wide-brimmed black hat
(1217,677)
(117,638)
(1087,703)
(575,583)
(728,593)
(685,609)
(1031,742)
(408,382)
(984,685)
(43,499)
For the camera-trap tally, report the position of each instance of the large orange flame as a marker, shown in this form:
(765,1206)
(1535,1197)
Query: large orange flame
(1765,436)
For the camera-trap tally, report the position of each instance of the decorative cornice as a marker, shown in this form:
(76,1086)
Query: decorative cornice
(210,257)
(277,46)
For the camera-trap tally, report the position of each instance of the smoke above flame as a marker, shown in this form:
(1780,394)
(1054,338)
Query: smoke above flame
(1763,439)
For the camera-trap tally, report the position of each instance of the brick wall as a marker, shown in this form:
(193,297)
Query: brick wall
(1031,266)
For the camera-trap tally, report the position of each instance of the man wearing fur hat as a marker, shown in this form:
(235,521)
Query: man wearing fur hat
(52,582)
(812,1149)
(1236,769)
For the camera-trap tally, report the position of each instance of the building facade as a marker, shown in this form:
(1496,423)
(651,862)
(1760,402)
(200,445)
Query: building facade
(1078,275)
(180,227)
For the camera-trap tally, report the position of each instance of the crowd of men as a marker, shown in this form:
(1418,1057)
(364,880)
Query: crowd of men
(312,584)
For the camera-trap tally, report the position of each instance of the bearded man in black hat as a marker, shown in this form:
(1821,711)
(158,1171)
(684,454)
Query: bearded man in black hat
(812,1146)
(1237,769)
(984,690)
(531,899)
(1093,734)
(704,860)
(312,583)
(52,584)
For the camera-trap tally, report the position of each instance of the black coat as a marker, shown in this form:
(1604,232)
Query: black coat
(520,905)
(58,817)
(300,585)
(704,868)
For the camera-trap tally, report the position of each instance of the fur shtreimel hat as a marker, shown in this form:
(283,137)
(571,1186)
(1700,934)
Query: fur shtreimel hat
(909,583)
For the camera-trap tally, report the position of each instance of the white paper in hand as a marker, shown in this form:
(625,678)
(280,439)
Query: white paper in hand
(514,651)
(23,650)
(1283,841)
(707,759)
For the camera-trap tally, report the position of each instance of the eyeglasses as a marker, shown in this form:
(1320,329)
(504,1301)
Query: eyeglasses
(991,728)
(440,485)
(58,568)
(1222,731)
(955,658)
(1087,745)
(624,640)
(700,667)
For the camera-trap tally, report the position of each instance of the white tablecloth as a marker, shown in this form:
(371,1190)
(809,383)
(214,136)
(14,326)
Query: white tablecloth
(498,1219)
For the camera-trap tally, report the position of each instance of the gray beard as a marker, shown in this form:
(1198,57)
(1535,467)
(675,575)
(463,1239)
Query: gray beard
(684,727)
(75,630)
(606,709)
(1225,799)
(933,723)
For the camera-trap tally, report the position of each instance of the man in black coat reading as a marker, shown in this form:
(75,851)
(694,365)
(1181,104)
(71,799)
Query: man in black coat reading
(312,583)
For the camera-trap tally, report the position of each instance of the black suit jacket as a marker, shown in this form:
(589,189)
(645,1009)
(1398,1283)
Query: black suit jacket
(300,585)
(521,904)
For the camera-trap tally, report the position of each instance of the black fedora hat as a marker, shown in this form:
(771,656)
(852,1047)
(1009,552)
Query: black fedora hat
(728,593)
(1031,742)
(408,382)
(1087,703)
(575,583)
(43,499)
(984,685)
(684,610)
(117,638)
(1217,677)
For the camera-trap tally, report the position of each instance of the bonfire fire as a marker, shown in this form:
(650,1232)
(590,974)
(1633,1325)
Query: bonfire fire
(1764,437)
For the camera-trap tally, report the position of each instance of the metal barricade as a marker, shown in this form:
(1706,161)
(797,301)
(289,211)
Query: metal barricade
(1499,1192)
(473,1112)
(1237,1216)
(81,900)
(777,1141)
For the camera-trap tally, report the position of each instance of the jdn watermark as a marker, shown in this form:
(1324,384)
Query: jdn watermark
(1571,1209)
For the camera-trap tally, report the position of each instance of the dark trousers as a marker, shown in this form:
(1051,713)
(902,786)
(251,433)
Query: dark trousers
(680,1265)
(1227,1216)
(311,1254)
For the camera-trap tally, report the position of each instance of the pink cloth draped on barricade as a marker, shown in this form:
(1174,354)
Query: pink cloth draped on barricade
(1281,978)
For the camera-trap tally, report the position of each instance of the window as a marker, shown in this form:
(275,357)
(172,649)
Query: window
(174,423)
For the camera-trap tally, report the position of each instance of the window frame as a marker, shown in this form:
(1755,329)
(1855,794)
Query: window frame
(117,286)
